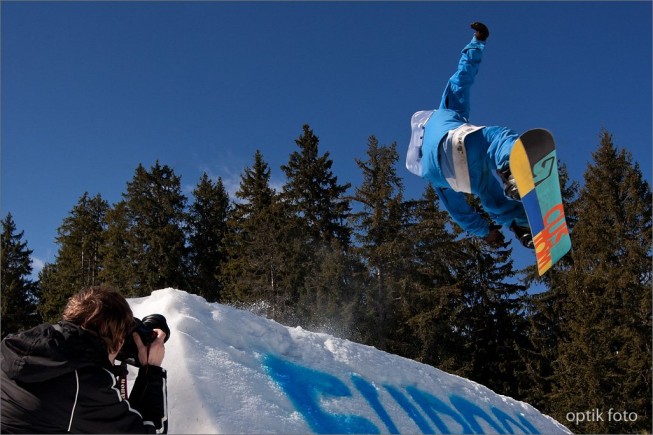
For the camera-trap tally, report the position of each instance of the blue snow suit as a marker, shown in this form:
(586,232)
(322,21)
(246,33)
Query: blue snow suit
(488,149)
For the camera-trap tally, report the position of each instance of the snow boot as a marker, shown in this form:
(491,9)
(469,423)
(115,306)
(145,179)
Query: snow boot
(523,234)
(509,184)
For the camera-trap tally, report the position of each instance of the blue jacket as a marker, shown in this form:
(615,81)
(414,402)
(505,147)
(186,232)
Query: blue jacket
(454,111)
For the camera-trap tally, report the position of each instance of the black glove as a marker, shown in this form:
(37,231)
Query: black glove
(482,32)
(495,238)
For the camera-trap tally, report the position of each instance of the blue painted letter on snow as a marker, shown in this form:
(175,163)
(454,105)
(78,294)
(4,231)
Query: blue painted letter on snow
(304,387)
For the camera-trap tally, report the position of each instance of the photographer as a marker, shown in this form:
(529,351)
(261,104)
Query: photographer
(62,378)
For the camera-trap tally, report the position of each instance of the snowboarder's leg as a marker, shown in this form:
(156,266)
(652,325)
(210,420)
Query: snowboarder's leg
(501,141)
(503,210)
(508,213)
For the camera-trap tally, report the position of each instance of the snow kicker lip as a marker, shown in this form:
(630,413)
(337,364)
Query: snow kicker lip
(241,373)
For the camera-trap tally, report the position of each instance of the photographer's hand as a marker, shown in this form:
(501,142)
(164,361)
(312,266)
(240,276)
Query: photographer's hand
(153,354)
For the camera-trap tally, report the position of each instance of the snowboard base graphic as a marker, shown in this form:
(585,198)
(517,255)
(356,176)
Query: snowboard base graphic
(534,165)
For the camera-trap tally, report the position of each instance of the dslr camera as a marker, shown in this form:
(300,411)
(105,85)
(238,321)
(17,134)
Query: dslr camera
(145,329)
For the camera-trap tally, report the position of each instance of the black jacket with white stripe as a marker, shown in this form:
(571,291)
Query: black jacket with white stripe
(58,379)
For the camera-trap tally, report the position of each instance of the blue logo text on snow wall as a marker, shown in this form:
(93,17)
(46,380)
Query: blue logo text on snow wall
(307,389)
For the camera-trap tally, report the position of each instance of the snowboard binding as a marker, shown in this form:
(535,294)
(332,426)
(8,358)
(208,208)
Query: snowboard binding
(509,184)
(523,234)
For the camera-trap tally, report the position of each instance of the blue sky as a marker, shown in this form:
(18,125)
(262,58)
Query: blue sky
(92,89)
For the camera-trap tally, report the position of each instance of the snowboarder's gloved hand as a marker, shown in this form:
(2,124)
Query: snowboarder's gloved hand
(495,238)
(482,32)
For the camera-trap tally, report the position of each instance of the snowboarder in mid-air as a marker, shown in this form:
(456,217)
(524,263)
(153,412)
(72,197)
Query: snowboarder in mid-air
(459,158)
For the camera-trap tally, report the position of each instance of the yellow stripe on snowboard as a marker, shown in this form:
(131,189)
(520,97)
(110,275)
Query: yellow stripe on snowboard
(520,167)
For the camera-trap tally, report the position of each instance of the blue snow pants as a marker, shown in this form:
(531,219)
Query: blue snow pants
(487,151)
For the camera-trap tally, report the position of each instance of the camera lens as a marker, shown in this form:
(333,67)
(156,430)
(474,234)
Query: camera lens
(145,330)
(157,321)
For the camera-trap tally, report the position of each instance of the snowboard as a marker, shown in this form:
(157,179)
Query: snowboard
(534,165)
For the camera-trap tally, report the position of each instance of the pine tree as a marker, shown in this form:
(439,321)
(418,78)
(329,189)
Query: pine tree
(379,225)
(332,293)
(256,268)
(79,258)
(461,300)
(430,297)
(79,238)
(19,292)
(155,241)
(604,361)
(489,322)
(314,193)
(119,250)
(208,230)
(318,227)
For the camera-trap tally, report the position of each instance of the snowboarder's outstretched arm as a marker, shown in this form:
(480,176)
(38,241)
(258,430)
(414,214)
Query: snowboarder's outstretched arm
(456,95)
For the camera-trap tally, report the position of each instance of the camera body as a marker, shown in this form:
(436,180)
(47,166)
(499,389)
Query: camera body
(145,330)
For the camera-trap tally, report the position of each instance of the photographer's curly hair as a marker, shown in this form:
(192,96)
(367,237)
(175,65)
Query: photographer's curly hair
(103,311)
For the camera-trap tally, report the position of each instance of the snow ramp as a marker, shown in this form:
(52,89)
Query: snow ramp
(230,371)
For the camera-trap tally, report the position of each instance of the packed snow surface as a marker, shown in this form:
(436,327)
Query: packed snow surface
(230,371)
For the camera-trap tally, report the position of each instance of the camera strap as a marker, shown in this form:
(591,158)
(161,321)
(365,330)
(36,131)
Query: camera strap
(122,380)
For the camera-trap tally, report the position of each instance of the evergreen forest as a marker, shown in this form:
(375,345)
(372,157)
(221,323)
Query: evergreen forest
(367,264)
